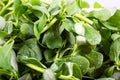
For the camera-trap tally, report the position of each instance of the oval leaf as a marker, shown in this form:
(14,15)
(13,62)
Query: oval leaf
(92,36)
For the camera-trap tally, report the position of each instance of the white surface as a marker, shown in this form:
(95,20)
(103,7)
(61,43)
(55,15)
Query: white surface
(106,3)
(110,3)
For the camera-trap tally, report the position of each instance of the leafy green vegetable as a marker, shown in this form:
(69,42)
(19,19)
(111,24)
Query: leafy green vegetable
(6,57)
(53,40)
(81,61)
(92,36)
(26,29)
(115,19)
(35,2)
(58,40)
(68,25)
(2,23)
(97,5)
(115,50)
(30,50)
(100,14)
(95,59)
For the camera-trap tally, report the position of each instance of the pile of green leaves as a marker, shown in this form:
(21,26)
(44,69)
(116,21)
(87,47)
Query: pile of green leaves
(58,40)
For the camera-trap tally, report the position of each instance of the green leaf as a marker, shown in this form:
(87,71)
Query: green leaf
(81,61)
(92,36)
(14,60)
(95,59)
(97,5)
(109,71)
(114,20)
(26,29)
(106,34)
(57,67)
(69,7)
(115,50)
(54,7)
(82,4)
(71,38)
(77,71)
(32,61)
(6,55)
(103,14)
(115,36)
(19,10)
(9,26)
(38,26)
(86,48)
(49,75)
(35,2)
(53,41)
(17,2)
(3,34)
(67,69)
(30,50)
(68,24)
(110,26)
(2,23)
(49,55)
(4,72)
(70,69)
(36,32)
(54,67)
(79,2)
(42,23)
(41,9)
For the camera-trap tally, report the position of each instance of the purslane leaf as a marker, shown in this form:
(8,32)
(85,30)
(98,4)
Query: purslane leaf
(19,10)
(81,61)
(99,14)
(68,25)
(92,36)
(114,20)
(49,45)
(53,41)
(77,71)
(38,26)
(6,56)
(115,50)
(30,50)
(95,59)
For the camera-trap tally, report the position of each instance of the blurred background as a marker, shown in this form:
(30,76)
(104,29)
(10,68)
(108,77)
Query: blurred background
(106,3)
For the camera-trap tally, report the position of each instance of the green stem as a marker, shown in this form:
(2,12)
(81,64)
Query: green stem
(74,49)
(39,69)
(117,65)
(49,25)
(83,18)
(5,7)
(56,57)
(69,77)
